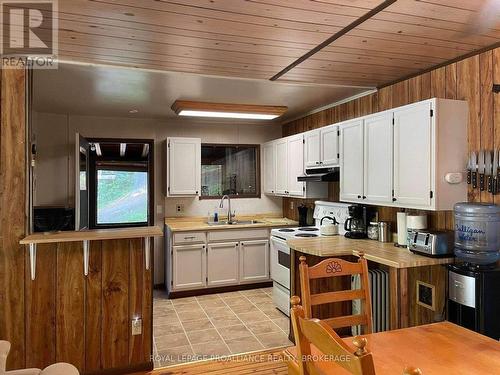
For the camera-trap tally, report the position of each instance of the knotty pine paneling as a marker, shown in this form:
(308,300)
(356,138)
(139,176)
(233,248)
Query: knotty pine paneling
(470,79)
(93,309)
(12,213)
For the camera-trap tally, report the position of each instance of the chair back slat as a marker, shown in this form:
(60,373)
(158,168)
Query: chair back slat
(343,295)
(334,267)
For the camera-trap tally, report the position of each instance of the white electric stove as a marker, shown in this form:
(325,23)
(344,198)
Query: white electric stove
(280,251)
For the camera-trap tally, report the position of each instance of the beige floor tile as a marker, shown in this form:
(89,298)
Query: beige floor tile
(200,337)
(171,341)
(234,332)
(274,313)
(189,308)
(197,325)
(283,323)
(167,318)
(208,297)
(238,309)
(162,310)
(253,292)
(267,326)
(236,301)
(220,312)
(212,303)
(216,348)
(262,299)
(274,340)
(175,355)
(230,295)
(183,301)
(186,316)
(167,329)
(252,317)
(224,321)
(244,345)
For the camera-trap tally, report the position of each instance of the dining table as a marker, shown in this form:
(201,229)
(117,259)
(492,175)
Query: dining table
(440,348)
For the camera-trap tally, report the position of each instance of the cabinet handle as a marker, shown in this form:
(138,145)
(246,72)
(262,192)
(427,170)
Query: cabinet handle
(364,197)
(190,238)
(359,196)
(394,199)
(196,191)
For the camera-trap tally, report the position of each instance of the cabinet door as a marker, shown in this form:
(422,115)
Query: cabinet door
(222,264)
(351,161)
(254,261)
(295,165)
(378,181)
(412,155)
(329,146)
(269,167)
(189,267)
(184,166)
(281,166)
(312,149)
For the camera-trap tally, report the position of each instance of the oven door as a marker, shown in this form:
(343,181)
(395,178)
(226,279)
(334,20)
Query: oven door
(280,262)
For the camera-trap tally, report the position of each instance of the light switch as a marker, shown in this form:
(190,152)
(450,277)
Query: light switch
(136,326)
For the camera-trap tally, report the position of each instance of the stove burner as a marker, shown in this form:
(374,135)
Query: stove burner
(286,230)
(309,229)
(306,235)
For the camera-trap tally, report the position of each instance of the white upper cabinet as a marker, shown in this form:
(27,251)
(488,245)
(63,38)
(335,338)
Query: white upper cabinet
(282,166)
(378,158)
(329,146)
(351,161)
(412,155)
(184,166)
(321,147)
(295,151)
(269,163)
(312,149)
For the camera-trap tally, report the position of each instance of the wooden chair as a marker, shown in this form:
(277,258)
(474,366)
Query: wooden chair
(319,350)
(334,267)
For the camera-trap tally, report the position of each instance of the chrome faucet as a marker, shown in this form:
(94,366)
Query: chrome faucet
(229,214)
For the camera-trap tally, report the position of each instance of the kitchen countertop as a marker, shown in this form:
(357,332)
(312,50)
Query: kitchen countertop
(188,224)
(379,252)
(92,235)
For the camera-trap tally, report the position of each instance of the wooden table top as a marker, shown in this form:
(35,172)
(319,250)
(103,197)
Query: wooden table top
(440,348)
(379,252)
(188,224)
(92,235)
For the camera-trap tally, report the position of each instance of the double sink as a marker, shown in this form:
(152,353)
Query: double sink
(235,222)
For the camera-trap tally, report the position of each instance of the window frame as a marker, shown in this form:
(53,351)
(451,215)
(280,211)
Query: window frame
(258,182)
(93,184)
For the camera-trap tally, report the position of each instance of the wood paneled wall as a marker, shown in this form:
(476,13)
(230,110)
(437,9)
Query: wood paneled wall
(12,212)
(63,315)
(470,79)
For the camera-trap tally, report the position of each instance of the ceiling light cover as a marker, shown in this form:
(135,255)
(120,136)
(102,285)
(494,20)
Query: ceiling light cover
(224,110)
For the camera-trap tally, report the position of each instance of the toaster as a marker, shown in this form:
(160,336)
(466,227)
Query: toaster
(431,243)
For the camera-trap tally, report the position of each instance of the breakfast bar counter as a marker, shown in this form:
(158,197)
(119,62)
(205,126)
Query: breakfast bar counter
(379,252)
(416,284)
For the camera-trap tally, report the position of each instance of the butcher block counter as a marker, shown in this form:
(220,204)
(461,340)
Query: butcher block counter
(379,252)
(187,224)
(408,276)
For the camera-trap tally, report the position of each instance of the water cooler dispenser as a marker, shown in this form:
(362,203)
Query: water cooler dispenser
(474,281)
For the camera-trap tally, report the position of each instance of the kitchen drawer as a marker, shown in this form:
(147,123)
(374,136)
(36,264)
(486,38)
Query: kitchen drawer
(189,237)
(238,235)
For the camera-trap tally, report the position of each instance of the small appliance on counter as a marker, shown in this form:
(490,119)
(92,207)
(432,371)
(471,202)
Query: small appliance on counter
(431,243)
(356,226)
(330,227)
(303,211)
(401,218)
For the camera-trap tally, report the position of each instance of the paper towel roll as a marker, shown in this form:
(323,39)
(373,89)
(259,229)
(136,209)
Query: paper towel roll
(401,219)
(416,222)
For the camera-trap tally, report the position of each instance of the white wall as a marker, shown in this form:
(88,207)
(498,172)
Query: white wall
(55,137)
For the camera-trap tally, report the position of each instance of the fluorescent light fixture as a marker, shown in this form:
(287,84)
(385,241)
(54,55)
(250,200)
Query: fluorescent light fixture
(224,110)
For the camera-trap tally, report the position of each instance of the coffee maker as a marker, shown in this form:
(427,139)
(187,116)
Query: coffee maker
(357,224)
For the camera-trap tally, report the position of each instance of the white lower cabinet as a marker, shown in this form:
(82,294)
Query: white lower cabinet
(222,264)
(189,267)
(254,261)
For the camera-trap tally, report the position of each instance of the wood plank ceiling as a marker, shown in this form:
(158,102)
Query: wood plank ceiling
(258,38)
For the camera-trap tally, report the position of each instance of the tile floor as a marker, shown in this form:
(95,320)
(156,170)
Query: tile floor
(195,328)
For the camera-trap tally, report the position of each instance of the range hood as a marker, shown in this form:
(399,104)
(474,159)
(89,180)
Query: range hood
(320,175)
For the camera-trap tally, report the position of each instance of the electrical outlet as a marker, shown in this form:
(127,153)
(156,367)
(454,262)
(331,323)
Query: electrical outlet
(291,205)
(179,208)
(136,326)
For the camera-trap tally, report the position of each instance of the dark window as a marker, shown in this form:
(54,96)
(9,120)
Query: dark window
(230,169)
